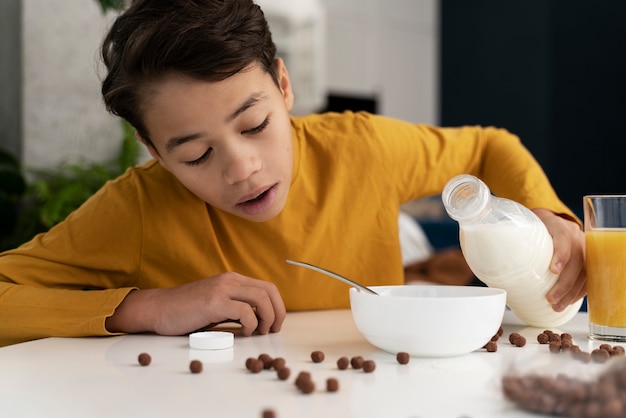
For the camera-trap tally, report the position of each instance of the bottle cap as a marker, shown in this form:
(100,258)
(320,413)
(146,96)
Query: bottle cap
(211,340)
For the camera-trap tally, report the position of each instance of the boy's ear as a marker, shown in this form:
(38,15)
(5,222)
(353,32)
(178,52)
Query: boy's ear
(284,83)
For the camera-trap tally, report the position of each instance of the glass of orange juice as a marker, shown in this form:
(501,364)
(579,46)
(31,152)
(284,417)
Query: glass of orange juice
(605,240)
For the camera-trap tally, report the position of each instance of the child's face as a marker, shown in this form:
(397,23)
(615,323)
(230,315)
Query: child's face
(229,142)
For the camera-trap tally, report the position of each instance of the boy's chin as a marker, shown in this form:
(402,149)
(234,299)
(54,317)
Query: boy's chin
(262,217)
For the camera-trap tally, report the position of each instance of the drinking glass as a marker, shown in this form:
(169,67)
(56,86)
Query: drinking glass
(605,239)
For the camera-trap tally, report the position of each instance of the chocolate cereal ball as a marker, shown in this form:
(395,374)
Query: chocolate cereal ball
(403,357)
(343,363)
(303,376)
(491,347)
(332,384)
(369,366)
(267,360)
(555,347)
(317,356)
(308,386)
(268,413)
(600,355)
(278,363)
(517,339)
(144,359)
(304,382)
(520,341)
(356,362)
(255,365)
(195,366)
(283,373)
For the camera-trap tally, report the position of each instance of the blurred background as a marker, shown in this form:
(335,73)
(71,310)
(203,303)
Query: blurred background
(550,71)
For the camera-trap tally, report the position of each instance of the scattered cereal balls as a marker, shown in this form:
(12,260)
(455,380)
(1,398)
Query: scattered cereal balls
(302,376)
(317,356)
(278,363)
(567,396)
(543,338)
(356,362)
(600,355)
(195,366)
(249,362)
(403,357)
(369,366)
(144,359)
(268,413)
(307,387)
(491,346)
(255,365)
(498,334)
(582,356)
(305,383)
(283,373)
(517,339)
(267,360)
(618,350)
(343,363)
(555,347)
(332,384)
(566,345)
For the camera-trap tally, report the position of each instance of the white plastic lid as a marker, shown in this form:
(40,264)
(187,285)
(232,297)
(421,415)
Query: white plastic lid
(211,340)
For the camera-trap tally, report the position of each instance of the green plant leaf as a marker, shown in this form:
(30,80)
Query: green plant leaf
(107,5)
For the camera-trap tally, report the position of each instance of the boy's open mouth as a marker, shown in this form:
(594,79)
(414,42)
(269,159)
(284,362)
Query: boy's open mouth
(260,203)
(256,199)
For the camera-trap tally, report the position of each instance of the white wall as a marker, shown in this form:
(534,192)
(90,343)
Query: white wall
(63,117)
(386,49)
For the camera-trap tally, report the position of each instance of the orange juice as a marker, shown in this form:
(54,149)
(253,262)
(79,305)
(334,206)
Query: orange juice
(606,276)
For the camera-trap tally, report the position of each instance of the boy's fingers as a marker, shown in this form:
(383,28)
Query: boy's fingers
(269,308)
(244,314)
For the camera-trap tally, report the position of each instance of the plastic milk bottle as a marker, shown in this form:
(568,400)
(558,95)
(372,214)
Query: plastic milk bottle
(508,247)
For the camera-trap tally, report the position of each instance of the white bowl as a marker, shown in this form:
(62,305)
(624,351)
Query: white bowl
(428,321)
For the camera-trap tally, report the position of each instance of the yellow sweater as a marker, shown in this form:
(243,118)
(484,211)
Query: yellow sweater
(351,172)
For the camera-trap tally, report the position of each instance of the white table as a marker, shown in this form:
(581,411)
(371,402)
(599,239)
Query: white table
(100,377)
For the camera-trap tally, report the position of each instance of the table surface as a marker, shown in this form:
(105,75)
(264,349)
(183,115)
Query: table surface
(93,377)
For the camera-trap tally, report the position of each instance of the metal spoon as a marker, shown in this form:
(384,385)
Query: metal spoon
(333,275)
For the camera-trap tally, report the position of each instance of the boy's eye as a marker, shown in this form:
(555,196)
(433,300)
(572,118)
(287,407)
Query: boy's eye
(201,159)
(258,129)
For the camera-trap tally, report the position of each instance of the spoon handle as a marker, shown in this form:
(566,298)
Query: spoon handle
(333,275)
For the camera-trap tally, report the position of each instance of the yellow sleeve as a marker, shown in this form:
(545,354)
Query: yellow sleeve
(68,281)
(29,313)
(494,155)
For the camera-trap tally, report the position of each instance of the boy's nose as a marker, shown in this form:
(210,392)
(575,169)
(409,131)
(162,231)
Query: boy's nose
(240,166)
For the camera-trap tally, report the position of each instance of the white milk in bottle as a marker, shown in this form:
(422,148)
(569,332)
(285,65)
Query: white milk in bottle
(508,247)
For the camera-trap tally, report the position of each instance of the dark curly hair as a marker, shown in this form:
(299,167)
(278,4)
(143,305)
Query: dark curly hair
(208,40)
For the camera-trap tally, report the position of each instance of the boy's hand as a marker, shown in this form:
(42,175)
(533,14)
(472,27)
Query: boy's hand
(255,304)
(568,260)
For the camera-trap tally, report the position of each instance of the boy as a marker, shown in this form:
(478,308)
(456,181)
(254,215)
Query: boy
(200,234)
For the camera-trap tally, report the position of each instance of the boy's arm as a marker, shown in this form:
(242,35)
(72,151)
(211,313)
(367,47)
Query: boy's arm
(30,313)
(500,159)
(255,304)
